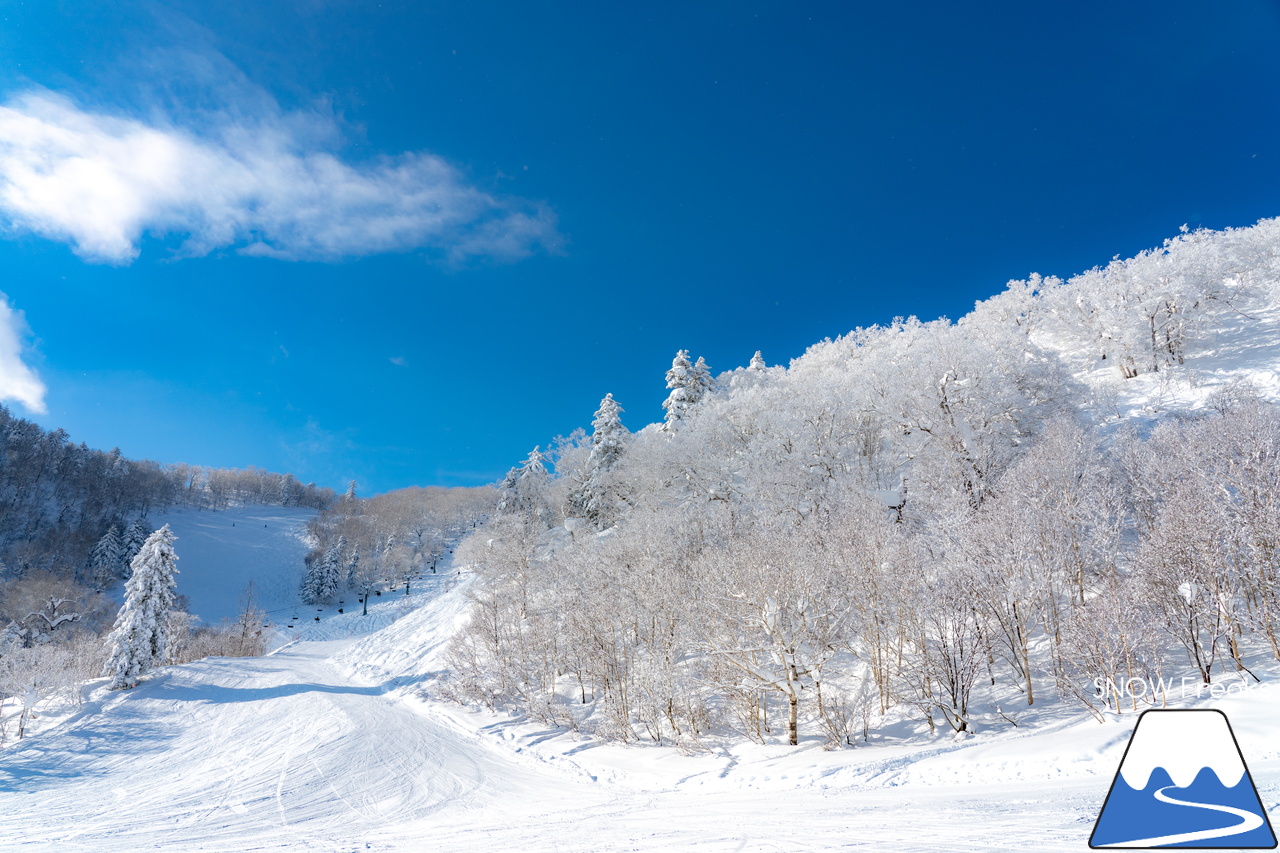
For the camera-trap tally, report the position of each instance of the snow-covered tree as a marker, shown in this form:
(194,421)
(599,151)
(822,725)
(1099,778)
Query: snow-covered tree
(106,560)
(139,640)
(54,612)
(608,436)
(685,388)
(32,676)
(757,362)
(593,498)
(320,583)
(522,492)
(133,539)
(702,378)
(353,568)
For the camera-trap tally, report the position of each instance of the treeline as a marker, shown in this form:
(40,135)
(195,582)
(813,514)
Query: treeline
(923,519)
(367,544)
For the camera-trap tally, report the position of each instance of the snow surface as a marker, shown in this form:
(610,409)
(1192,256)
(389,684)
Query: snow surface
(1243,349)
(220,552)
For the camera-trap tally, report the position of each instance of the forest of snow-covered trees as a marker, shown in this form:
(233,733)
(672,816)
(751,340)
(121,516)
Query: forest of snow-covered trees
(945,520)
(384,541)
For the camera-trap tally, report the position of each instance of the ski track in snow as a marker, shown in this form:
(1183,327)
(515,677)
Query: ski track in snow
(256,753)
(286,752)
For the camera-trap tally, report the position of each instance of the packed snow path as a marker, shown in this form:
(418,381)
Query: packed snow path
(249,753)
(284,752)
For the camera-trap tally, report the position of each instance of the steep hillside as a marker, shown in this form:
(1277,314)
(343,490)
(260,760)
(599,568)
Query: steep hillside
(221,552)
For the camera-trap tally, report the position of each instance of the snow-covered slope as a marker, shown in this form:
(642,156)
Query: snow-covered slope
(1244,352)
(220,552)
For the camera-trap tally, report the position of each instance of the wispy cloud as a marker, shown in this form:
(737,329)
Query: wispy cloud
(248,177)
(17,380)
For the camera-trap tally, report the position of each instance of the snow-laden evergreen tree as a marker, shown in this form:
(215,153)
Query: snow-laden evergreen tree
(106,560)
(522,491)
(507,489)
(350,496)
(320,583)
(608,436)
(133,539)
(703,382)
(353,568)
(757,362)
(339,560)
(140,639)
(684,387)
(591,500)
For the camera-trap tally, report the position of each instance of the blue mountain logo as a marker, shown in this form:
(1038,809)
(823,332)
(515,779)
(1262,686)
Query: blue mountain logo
(1183,783)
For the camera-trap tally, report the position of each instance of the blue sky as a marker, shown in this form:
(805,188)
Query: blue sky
(405,242)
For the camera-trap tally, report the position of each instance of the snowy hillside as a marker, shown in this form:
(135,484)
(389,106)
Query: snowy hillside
(220,552)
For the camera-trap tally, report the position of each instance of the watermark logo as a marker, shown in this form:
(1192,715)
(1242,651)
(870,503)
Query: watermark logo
(1183,783)
(1166,689)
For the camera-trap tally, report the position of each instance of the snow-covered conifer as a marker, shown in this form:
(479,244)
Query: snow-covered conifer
(521,491)
(140,638)
(685,388)
(507,489)
(320,583)
(106,560)
(608,441)
(133,539)
(608,434)
(703,381)
(353,568)
(757,362)
(339,559)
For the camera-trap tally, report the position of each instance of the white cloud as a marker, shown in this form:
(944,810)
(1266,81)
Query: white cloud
(266,185)
(17,381)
